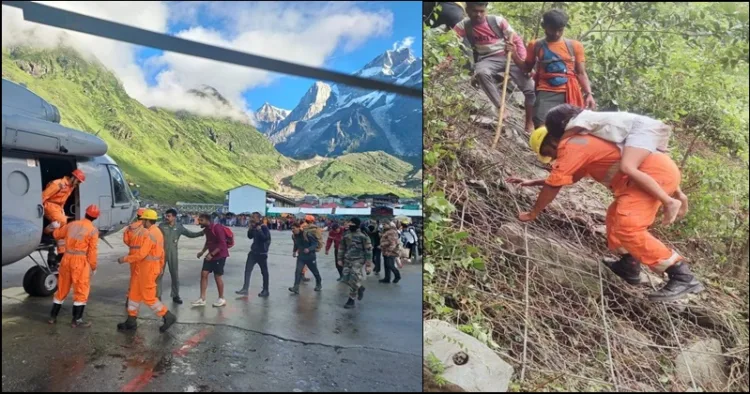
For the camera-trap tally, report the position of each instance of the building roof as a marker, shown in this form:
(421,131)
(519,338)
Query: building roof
(329,205)
(352,211)
(307,206)
(360,205)
(269,193)
(387,195)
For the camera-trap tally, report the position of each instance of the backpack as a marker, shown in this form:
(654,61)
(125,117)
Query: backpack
(494,23)
(551,62)
(317,234)
(230,236)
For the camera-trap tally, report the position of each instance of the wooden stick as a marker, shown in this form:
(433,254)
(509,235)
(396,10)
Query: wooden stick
(502,101)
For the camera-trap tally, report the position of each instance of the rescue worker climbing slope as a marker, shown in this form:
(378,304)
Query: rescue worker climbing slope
(355,251)
(629,216)
(54,197)
(79,262)
(148,257)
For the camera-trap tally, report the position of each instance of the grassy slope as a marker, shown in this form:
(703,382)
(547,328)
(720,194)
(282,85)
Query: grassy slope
(190,168)
(357,173)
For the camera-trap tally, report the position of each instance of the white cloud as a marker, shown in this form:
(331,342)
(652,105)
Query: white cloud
(405,43)
(305,33)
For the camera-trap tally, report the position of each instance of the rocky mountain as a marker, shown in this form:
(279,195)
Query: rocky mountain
(172,155)
(268,117)
(331,120)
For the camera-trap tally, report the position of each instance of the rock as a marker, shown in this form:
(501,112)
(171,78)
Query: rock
(708,369)
(36,70)
(484,371)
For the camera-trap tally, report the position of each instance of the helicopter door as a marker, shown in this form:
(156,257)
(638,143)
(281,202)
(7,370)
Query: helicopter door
(122,199)
(22,207)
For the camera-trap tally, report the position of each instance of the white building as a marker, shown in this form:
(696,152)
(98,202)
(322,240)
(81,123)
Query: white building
(246,198)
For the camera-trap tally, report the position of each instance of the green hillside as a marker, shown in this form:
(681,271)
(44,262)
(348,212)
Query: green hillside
(172,156)
(357,173)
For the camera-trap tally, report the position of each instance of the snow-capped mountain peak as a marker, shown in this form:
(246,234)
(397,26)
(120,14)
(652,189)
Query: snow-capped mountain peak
(269,113)
(391,63)
(331,120)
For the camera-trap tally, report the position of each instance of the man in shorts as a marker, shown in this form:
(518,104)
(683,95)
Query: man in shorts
(216,246)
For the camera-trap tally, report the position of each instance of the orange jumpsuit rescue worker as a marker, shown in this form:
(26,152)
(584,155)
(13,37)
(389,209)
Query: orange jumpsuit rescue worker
(629,216)
(79,262)
(127,238)
(54,197)
(147,255)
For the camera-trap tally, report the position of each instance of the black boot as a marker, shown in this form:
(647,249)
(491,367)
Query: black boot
(169,319)
(318,286)
(263,293)
(177,300)
(129,324)
(626,268)
(349,304)
(385,281)
(78,317)
(54,313)
(681,283)
(294,289)
(361,293)
(242,291)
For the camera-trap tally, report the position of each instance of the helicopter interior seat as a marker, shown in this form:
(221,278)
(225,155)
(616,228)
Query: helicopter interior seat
(53,168)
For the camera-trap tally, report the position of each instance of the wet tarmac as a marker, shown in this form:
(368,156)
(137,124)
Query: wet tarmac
(302,343)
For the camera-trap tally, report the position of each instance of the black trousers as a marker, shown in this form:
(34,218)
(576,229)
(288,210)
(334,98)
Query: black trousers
(262,261)
(312,266)
(390,266)
(376,254)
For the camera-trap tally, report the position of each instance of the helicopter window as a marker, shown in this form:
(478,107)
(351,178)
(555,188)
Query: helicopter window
(120,192)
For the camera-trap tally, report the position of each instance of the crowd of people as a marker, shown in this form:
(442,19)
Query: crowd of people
(153,248)
(625,152)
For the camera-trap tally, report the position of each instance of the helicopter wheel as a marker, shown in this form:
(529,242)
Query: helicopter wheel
(39,283)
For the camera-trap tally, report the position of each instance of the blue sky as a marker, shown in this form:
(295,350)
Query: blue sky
(285,91)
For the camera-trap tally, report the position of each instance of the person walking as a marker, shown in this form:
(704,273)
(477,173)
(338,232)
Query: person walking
(374,234)
(491,38)
(258,254)
(54,197)
(355,252)
(334,238)
(218,251)
(560,68)
(305,245)
(77,265)
(409,238)
(172,231)
(390,246)
(147,254)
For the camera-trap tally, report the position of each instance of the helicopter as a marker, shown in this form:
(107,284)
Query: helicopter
(37,149)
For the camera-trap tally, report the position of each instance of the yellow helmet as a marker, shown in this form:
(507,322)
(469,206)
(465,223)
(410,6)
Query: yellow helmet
(149,214)
(535,141)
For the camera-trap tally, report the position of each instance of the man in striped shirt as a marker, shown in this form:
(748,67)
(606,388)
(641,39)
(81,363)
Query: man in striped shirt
(491,38)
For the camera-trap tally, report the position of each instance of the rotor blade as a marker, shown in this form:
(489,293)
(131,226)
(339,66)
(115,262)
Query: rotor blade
(106,242)
(56,17)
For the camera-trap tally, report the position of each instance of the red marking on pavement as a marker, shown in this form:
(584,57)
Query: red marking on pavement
(140,381)
(191,343)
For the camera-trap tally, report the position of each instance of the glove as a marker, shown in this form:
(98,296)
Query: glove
(53,226)
(93,273)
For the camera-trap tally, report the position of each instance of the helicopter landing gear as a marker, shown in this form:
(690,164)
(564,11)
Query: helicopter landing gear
(41,280)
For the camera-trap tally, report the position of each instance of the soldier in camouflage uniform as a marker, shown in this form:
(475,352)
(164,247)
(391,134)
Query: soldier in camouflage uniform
(355,251)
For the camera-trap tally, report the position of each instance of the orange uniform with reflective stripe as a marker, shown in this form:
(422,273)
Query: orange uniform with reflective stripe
(147,254)
(127,238)
(634,210)
(82,240)
(54,197)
